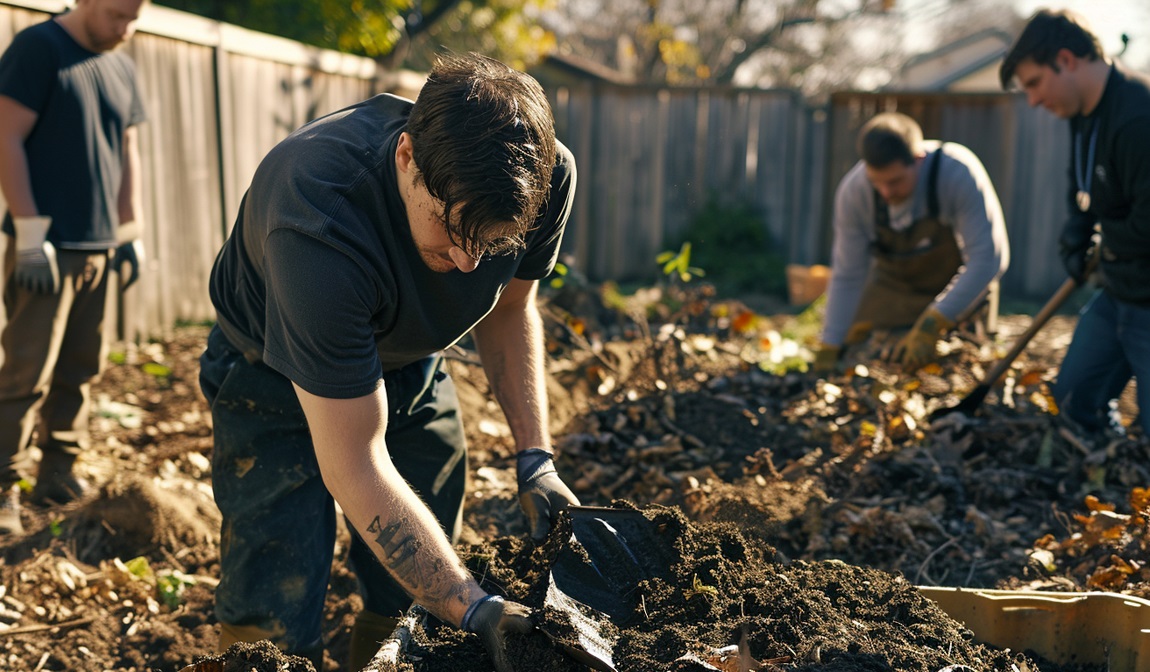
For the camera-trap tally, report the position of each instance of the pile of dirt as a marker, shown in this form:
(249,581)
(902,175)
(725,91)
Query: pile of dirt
(703,597)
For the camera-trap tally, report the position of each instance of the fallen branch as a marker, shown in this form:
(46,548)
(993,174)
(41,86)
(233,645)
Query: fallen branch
(48,626)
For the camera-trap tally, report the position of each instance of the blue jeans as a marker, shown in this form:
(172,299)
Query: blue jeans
(279,525)
(1111,343)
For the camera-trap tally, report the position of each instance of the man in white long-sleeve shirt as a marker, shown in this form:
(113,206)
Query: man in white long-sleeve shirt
(918,238)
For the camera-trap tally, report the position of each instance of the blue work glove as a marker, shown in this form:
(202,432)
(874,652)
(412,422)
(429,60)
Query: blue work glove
(542,494)
(1074,247)
(131,253)
(492,618)
(36,267)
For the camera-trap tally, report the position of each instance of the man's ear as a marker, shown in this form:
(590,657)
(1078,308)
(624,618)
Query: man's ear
(1065,60)
(404,153)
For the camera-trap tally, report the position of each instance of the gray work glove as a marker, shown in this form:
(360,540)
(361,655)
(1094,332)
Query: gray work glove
(542,494)
(36,267)
(131,253)
(492,618)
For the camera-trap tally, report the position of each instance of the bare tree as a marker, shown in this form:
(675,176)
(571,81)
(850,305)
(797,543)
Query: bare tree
(705,41)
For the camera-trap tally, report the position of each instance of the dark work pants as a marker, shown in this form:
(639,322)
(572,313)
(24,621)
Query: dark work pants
(279,521)
(1111,344)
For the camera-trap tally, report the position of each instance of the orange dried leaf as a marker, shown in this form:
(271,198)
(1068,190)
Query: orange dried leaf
(1140,499)
(1124,566)
(1030,378)
(1094,504)
(1115,532)
(577,324)
(743,322)
(1106,578)
(933,369)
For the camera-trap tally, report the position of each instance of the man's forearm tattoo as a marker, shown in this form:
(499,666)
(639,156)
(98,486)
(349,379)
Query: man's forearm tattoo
(421,573)
(399,549)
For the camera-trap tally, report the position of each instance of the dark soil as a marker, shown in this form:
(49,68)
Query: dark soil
(797,513)
(711,590)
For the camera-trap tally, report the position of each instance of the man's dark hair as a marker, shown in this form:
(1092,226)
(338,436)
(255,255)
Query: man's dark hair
(483,137)
(889,137)
(1048,32)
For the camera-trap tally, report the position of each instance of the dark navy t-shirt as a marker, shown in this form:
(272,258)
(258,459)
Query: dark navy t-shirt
(85,102)
(320,278)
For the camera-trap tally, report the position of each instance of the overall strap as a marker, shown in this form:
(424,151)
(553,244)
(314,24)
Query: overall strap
(932,208)
(882,210)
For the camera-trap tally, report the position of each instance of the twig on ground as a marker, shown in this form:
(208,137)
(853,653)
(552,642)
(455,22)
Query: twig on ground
(47,626)
(928,558)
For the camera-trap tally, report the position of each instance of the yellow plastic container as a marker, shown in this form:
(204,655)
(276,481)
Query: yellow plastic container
(1066,628)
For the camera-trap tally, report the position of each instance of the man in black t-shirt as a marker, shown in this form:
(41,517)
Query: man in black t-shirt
(1058,62)
(69,106)
(370,240)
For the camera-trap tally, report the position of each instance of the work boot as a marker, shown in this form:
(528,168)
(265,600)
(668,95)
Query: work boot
(57,483)
(367,635)
(10,512)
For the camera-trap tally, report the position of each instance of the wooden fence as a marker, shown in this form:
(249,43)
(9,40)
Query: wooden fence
(219,97)
(649,158)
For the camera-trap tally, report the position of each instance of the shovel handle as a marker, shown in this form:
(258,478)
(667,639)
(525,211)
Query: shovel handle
(1040,320)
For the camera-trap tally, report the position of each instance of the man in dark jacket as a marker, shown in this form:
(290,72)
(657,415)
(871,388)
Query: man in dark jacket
(1058,62)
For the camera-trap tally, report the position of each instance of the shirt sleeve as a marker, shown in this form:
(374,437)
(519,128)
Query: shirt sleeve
(850,255)
(28,70)
(966,192)
(544,242)
(320,303)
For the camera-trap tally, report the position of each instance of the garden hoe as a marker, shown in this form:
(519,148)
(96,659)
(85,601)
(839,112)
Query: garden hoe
(972,401)
(595,580)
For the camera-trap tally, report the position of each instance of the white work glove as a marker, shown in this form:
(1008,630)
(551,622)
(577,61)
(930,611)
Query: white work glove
(36,267)
(542,494)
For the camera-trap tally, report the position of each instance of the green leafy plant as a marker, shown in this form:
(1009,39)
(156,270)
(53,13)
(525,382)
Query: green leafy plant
(678,264)
(171,584)
(156,370)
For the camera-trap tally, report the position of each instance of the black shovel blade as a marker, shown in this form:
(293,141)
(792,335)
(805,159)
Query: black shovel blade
(600,567)
(968,406)
(585,643)
(594,579)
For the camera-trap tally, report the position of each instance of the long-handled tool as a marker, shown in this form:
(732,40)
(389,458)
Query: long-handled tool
(973,400)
